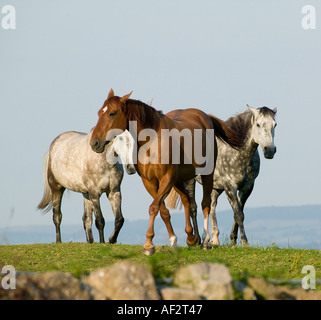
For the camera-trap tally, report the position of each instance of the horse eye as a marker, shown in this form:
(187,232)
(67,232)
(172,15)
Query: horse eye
(112,114)
(258,125)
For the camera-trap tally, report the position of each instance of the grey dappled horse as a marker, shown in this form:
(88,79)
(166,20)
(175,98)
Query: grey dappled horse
(236,170)
(72,164)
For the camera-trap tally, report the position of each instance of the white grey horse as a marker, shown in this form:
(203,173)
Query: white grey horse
(72,164)
(236,170)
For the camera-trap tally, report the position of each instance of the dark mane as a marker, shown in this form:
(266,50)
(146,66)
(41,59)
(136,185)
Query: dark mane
(241,122)
(147,116)
(267,112)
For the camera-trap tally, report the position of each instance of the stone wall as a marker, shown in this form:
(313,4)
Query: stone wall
(126,280)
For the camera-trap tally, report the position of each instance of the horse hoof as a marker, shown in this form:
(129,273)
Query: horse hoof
(173,249)
(191,241)
(214,243)
(149,251)
(244,243)
(173,241)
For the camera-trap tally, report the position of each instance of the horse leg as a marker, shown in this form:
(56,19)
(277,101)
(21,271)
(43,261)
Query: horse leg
(207,182)
(99,219)
(215,231)
(56,209)
(190,188)
(164,212)
(159,193)
(191,239)
(231,193)
(57,191)
(149,248)
(115,202)
(87,218)
(243,195)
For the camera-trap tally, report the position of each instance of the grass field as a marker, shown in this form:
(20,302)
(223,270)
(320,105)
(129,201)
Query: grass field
(81,258)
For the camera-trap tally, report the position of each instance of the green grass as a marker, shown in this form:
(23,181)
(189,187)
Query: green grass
(81,258)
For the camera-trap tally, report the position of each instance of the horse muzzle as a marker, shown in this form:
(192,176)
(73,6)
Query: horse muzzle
(98,145)
(269,152)
(130,169)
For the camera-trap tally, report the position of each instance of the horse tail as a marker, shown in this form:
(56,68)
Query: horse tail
(173,200)
(225,133)
(46,202)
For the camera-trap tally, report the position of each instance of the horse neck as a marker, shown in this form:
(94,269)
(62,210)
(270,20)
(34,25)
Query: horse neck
(250,145)
(145,117)
(242,124)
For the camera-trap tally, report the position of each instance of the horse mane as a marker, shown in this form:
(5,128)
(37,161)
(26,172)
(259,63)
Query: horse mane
(226,133)
(147,116)
(242,122)
(267,112)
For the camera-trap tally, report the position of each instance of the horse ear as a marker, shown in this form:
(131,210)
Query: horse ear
(110,94)
(126,97)
(275,110)
(253,110)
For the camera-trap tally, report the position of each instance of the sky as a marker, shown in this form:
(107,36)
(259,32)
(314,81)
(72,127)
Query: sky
(58,65)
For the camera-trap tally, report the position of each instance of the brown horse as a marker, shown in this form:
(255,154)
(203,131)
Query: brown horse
(157,165)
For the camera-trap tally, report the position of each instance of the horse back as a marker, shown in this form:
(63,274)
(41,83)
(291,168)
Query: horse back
(71,160)
(190,118)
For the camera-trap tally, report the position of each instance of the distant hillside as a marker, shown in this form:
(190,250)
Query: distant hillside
(297,227)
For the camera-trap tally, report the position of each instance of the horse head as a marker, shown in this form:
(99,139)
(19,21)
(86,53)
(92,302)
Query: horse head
(124,145)
(263,127)
(111,121)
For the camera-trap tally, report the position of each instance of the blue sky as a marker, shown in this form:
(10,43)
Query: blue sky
(60,62)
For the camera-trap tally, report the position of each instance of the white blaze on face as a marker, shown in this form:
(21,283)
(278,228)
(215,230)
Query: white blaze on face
(104,110)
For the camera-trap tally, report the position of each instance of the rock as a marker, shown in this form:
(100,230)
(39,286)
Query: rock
(212,281)
(302,294)
(52,285)
(173,293)
(268,291)
(246,292)
(124,280)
